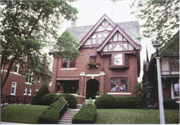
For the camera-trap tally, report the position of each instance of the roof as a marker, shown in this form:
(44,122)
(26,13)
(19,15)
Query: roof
(131,28)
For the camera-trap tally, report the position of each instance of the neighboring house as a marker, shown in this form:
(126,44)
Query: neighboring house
(109,60)
(17,88)
(169,72)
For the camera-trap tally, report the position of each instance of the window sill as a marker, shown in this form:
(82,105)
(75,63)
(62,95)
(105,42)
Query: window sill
(119,67)
(68,69)
(27,83)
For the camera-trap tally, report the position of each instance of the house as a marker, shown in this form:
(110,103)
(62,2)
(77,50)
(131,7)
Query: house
(109,60)
(169,71)
(18,88)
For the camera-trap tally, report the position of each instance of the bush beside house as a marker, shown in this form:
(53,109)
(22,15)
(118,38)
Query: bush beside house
(37,99)
(48,98)
(169,103)
(72,100)
(51,115)
(87,114)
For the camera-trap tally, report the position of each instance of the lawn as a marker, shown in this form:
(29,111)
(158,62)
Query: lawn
(135,116)
(22,113)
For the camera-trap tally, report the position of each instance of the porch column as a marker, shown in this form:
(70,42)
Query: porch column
(82,83)
(102,80)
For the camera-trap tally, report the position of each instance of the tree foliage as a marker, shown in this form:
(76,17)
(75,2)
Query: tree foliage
(27,27)
(161,19)
(67,46)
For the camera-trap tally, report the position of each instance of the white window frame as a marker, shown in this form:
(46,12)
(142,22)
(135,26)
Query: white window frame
(39,79)
(28,82)
(29,92)
(17,68)
(172,90)
(25,89)
(14,93)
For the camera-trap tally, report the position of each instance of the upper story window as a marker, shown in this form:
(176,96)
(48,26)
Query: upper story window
(67,63)
(16,68)
(13,88)
(118,59)
(25,91)
(29,77)
(118,84)
(92,59)
(39,79)
(175,64)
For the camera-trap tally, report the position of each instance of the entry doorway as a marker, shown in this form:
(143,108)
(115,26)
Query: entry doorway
(92,88)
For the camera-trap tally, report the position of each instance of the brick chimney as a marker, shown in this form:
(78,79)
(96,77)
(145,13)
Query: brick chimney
(73,23)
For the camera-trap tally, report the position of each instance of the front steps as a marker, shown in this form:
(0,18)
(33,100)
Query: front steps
(68,115)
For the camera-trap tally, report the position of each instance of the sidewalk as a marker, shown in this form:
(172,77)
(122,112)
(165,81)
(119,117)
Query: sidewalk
(11,123)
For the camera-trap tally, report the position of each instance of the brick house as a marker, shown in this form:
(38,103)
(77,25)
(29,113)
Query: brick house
(17,88)
(109,60)
(169,72)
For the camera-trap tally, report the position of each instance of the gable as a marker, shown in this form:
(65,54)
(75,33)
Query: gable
(99,31)
(118,43)
(118,40)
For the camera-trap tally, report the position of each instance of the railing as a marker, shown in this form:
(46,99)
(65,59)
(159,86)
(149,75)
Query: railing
(82,105)
(62,110)
(10,99)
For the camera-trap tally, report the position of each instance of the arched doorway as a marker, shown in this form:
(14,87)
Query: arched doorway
(92,88)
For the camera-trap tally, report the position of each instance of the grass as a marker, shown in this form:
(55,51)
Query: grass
(22,113)
(135,116)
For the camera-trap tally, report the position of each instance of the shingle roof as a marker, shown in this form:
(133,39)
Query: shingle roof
(131,28)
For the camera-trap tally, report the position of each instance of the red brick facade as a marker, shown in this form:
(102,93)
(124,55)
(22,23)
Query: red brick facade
(100,76)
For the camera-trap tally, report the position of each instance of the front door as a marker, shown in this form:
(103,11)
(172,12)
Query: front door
(92,88)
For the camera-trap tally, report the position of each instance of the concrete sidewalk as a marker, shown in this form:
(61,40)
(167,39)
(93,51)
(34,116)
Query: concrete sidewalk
(11,123)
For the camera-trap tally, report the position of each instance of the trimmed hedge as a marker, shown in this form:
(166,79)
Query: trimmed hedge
(48,98)
(72,100)
(87,114)
(106,101)
(169,103)
(51,115)
(120,103)
(129,102)
(37,99)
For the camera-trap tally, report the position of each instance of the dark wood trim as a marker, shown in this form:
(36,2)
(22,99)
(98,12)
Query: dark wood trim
(119,67)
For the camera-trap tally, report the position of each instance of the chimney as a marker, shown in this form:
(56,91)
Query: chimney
(73,23)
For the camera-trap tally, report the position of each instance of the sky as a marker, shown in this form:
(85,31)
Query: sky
(90,11)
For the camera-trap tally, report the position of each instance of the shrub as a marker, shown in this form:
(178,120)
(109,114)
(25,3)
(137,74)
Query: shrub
(106,101)
(51,115)
(37,99)
(129,102)
(48,98)
(169,103)
(120,103)
(90,102)
(87,114)
(72,100)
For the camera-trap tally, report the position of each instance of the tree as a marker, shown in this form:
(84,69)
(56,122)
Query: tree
(27,27)
(67,46)
(161,20)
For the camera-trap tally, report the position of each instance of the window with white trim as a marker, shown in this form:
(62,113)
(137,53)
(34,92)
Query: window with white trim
(25,91)
(29,92)
(16,68)
(29,77)
(39,79)
(13,88)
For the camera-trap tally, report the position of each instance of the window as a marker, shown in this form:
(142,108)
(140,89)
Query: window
(176,89)
(67,63)
(39,79)
(29,92)
(126,60)
(175,64)
(92,59)
(25,91)
(118,59)
(29,77)
(118,84)
(13,88)
(16,68)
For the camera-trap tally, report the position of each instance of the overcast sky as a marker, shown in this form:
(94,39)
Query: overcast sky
(90,11)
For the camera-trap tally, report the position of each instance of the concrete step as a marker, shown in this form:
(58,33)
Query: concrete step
(67,117)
